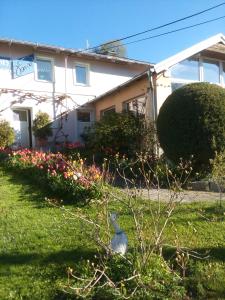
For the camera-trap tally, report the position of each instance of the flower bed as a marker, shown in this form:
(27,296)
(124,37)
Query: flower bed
(68,179)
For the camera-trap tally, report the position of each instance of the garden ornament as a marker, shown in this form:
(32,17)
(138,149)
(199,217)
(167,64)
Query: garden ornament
(119,241)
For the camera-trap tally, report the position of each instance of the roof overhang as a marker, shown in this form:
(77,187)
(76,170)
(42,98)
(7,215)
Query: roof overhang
(79,53)
(169,62)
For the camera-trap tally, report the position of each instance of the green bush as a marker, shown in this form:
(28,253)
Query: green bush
(42,125)
(122,133)
(192,122)
(6,134)
(154,282)
(206,280)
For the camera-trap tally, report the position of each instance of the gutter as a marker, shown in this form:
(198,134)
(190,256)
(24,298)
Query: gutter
(71,51)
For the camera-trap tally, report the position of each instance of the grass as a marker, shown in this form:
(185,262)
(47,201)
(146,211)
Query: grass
(37,244)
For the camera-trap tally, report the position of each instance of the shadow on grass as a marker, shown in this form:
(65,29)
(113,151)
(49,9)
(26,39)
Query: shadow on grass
(32,190)
(60,257)
(212,254)
(49,267)
(27,188)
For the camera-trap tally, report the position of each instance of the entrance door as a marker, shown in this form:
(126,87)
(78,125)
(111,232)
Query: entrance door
(21,124)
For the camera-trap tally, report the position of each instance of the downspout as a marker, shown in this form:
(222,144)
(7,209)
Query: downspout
(65,74)
(152,76)
(148,98)
(74,133)
(53,98)
(154,93)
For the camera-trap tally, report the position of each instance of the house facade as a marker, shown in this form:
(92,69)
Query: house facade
(204,61)
(35,77)
(76,87)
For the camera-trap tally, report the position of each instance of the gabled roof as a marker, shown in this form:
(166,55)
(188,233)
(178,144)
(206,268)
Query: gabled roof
(167,63)
(78,53)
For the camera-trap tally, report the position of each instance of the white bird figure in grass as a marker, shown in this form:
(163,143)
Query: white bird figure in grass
(119,242)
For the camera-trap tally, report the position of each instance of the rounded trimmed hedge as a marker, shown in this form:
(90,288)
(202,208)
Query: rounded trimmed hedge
(191,121)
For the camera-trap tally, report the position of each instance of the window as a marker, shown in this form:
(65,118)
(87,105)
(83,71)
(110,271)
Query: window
(201,69)
(187,69)
(81,74)
(137,106)
(211,71)
(83,116)
(107,111)
(44,69)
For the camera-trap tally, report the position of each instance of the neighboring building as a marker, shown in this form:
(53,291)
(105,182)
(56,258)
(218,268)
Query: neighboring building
(35,77)
(204,61)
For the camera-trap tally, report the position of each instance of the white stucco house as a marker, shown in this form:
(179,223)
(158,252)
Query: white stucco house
(36,77)
(76,88)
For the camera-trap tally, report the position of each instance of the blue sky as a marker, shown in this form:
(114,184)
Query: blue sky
(69,23)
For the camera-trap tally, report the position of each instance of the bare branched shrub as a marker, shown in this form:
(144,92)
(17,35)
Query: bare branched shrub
(142,272)
(218,173)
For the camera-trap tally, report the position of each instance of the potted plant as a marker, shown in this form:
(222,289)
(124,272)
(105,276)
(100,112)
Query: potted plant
(42,128)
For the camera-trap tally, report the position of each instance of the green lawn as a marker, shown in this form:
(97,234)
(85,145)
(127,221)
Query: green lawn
(37,244)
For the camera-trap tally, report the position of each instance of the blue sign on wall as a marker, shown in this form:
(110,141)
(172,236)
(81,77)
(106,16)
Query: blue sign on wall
(4,63)
(23,66)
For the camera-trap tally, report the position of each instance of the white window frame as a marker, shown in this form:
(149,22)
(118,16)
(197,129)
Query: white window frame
(177,79)
(36,70)
(201,72)
(219,61)
(87,67)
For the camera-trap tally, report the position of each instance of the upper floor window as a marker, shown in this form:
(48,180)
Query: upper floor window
(44,69)
(187,69)
(211,71)
(81,74)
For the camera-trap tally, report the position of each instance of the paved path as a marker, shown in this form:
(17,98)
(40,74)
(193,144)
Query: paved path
(188,196)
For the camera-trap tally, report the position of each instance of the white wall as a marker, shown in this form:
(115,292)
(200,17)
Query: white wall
(103,76)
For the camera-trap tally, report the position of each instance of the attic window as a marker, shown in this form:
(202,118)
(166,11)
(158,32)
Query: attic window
(187,69)
(211,71)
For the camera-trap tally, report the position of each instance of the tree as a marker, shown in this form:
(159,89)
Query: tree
(113,48)
(191,121)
